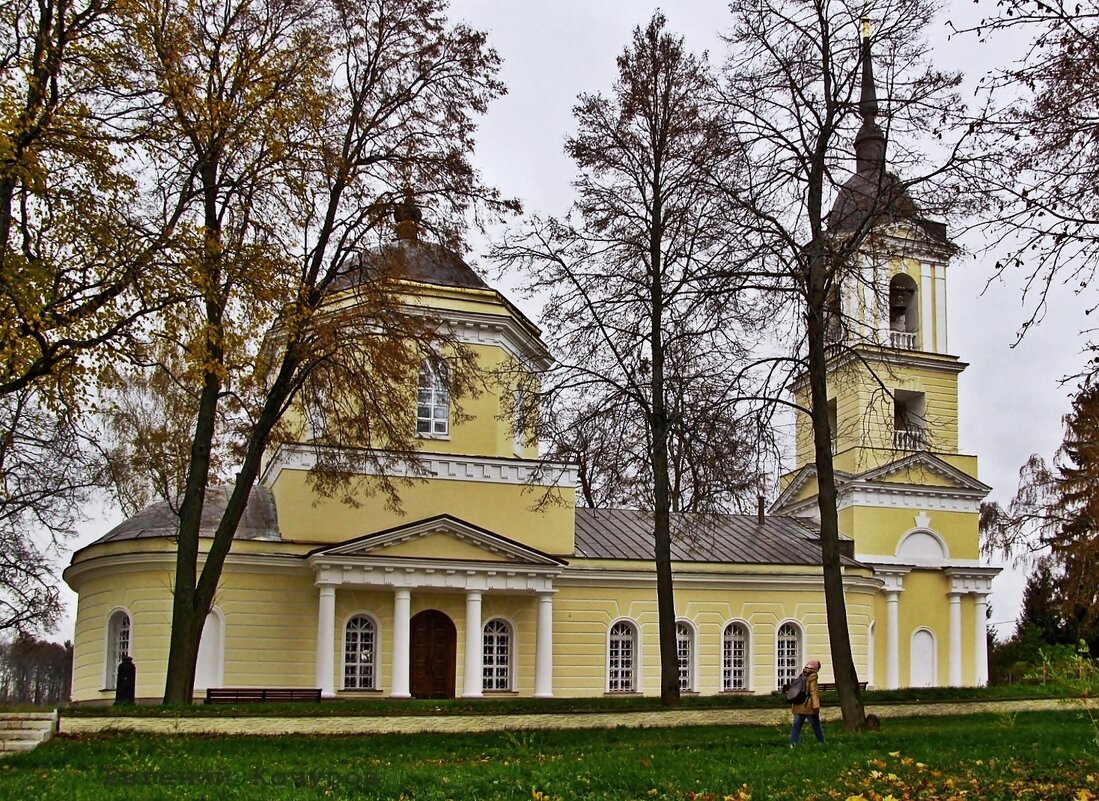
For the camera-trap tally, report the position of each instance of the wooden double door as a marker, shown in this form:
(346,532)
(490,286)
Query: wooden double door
(432,645)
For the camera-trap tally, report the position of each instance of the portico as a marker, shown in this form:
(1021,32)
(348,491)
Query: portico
(426,559)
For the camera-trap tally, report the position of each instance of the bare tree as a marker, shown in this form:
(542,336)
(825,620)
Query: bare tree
(290,134)
(47,470)
(1042,212)
(631,281)
(799,81)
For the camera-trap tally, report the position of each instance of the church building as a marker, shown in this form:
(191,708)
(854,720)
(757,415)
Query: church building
(475,592)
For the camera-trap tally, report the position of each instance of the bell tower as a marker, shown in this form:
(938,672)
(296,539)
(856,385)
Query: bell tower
(908,499)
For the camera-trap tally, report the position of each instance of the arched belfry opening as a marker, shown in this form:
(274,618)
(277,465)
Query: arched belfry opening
(904,314)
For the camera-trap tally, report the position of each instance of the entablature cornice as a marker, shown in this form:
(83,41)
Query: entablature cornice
(473,328)
(412,573)
(976,580)
(579,577)
(437,466)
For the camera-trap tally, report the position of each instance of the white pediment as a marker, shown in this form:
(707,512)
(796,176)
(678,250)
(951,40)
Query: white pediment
(442,538)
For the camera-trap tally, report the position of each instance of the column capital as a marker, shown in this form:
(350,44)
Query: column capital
(976,580)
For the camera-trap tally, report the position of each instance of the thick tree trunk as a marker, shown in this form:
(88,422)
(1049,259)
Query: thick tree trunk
(662,529)
(187,616)
(839,638)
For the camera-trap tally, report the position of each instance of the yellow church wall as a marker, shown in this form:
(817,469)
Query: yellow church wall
(269,616)
(146,596)
(922,605)
(271,619)
(584,613)
(879,530)
(865,407)
(504,509)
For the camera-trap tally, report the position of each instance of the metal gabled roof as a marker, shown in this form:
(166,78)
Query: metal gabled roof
(730,539)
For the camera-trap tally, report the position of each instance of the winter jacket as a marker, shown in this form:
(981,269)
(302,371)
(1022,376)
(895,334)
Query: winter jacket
(811,705)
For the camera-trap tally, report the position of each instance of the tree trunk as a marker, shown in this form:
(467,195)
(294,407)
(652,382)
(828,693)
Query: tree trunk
(839,638)
(662,529)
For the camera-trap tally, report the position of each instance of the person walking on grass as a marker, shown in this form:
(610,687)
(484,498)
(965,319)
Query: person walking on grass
(809,708)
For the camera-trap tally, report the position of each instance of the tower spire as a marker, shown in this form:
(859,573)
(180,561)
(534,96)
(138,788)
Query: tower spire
(870,141)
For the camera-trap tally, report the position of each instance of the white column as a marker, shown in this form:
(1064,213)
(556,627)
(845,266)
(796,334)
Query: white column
(980,640)
(326,639)
(473,669)
(543,656)
(955,639)
(928,324)
(402,617)
(941,340)
(881,306)
(892,641)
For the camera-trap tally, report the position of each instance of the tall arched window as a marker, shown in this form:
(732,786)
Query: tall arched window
(360,654)
(684,649)
(118,645)
(622,658)
(787,654)
(433,399)
(496,664)
(734,657)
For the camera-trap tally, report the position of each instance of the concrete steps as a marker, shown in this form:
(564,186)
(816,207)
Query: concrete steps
(22,731)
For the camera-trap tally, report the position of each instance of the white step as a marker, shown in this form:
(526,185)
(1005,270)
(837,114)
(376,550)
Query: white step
(22,731)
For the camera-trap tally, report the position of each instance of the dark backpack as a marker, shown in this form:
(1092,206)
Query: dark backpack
(796,691)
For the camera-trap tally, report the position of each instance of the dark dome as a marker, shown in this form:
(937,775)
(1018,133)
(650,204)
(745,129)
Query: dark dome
(864,193)
(412,260)
(259,522)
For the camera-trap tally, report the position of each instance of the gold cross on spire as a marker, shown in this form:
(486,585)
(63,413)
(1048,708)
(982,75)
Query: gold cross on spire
(865,19)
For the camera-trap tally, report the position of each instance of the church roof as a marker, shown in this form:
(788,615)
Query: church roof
(412,260)
(732,539)
(259,522)
(408,258)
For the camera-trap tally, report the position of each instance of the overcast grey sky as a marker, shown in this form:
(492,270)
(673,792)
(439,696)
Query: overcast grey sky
(1011,399)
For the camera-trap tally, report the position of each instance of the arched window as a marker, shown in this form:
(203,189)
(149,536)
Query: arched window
(433,399)
(360,654)
(787,654)
(684,649)
(734,657)
(118,645)
(496,664)
(622,658)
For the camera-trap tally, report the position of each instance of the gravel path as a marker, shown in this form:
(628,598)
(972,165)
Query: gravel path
(410,724)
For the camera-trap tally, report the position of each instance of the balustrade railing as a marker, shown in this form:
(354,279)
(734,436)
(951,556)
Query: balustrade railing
(903,340)
(910,439)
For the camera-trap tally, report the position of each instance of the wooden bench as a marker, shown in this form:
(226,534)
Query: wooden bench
(823,686)
(256,695)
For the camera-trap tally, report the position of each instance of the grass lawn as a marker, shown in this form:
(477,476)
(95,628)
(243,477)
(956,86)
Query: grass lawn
(1051,755)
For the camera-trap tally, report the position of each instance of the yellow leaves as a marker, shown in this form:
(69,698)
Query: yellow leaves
(1083,794)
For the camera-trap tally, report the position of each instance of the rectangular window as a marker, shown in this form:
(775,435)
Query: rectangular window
(433,400)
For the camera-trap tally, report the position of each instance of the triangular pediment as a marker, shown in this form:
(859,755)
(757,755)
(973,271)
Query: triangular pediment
(801,487)
(923,469)
(914,472)
(442,538)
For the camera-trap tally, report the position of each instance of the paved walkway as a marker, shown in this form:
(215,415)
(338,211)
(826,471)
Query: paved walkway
(412,724)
